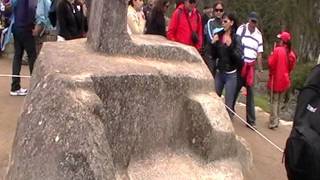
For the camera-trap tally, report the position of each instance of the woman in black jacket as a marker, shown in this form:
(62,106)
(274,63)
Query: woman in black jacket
(157,23)
(71,20)
(226,50)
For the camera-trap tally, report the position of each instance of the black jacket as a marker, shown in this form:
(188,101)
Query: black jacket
(157,23)
(228,58)
(71,20)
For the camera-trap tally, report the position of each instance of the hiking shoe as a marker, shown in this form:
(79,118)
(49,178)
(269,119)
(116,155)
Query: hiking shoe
(19,92)
(273,126)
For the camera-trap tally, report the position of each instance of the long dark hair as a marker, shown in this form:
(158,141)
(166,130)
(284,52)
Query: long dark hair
(231,16)
(130,2)
(217,3)
(158,7)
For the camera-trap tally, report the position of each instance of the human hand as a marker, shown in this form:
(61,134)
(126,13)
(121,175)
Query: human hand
(215,39)
(37,30)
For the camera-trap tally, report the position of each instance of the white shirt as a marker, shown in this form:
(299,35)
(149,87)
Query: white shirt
(252,43)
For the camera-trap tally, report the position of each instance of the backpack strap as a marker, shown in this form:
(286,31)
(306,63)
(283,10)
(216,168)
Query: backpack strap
(244,30)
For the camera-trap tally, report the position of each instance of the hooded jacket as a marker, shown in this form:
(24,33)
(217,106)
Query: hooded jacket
(179,29)
(281,63)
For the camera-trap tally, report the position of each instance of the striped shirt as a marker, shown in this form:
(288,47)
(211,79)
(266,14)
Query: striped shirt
(252,43)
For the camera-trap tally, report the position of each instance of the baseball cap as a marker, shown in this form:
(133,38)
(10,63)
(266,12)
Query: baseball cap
(284,36)
(253,16)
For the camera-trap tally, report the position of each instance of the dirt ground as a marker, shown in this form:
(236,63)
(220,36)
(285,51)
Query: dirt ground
(267,160)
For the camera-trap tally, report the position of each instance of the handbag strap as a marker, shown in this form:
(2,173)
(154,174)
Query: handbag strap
(189,20)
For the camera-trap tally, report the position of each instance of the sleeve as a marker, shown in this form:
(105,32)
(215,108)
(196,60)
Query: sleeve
(209,29)
(40,13)
(237,53)
(200,33)
(272,59)
(173,25)
(260,45)
(292,61)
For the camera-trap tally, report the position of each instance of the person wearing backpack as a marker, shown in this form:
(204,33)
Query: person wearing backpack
(281,62)
(302,151)
(209,29)
(252,45)
(186,25)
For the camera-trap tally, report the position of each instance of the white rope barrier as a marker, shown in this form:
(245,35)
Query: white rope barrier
(245,122)
(255,130)
(8,75)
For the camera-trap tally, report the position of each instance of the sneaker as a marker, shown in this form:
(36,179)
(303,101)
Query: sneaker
(273,126)
(19,92)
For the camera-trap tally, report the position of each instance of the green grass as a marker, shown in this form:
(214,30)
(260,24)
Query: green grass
(262,101)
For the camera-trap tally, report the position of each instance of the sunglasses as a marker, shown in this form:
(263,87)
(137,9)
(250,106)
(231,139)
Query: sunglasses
(218,10)
(225,21)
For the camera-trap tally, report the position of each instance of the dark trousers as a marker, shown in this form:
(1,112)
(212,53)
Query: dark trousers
(229,82)
(23,40)
(250,107)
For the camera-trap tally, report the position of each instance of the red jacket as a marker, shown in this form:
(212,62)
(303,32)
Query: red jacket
(179,29)
(281,64)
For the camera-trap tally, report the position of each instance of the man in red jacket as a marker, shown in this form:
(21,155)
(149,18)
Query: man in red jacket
(281,62)
(186,25)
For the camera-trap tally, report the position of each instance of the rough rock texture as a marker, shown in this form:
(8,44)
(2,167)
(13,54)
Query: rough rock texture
(92,116)
(108,34)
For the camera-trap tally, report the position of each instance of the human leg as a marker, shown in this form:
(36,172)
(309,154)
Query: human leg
(230,89)
(219,83)
(17,58)
(30,46)
(250,109)
(275,107)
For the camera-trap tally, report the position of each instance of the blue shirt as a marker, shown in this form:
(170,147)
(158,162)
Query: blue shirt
(42,13)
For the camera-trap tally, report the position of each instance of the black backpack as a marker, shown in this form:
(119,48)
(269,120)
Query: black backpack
(302,151)
(53,13)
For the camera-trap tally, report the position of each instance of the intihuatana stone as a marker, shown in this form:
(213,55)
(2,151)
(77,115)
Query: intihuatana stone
(92,116)
(139,107)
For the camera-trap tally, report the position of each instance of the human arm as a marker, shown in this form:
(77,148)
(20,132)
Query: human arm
(259,59)
(42,19)
(199,32)
(259,54)
(292,59)
(237,52)
(272,59)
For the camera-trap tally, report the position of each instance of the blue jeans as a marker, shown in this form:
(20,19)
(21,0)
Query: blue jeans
(230,83)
